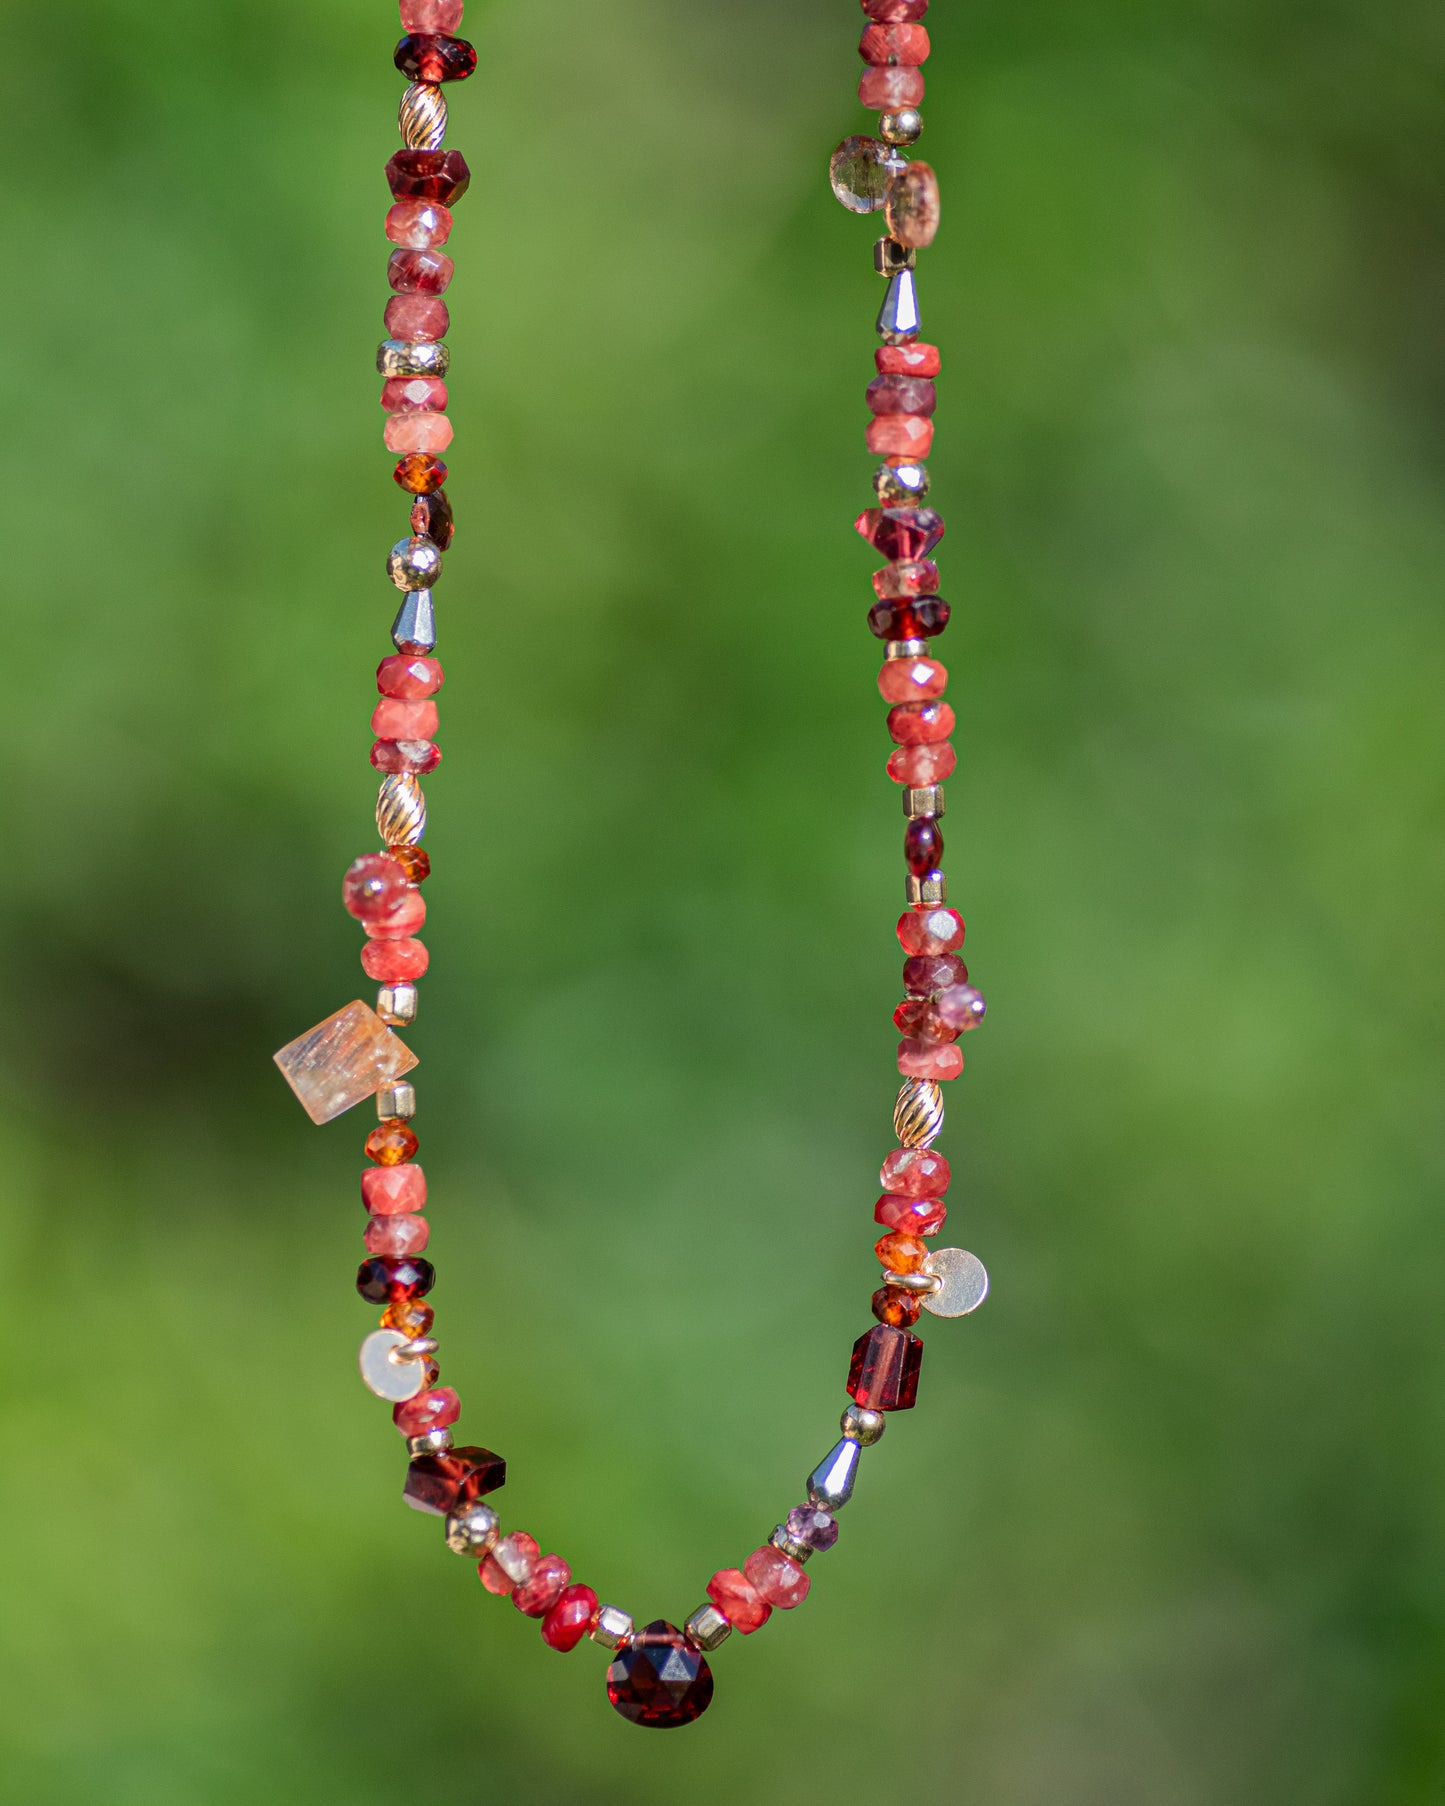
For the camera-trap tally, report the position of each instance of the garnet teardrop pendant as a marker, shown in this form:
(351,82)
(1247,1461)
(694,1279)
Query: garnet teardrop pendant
(659,1678)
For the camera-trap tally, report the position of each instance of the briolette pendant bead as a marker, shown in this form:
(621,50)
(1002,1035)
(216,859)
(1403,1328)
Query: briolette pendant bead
(659,1679)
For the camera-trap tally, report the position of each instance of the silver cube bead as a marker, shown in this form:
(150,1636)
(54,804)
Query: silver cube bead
(396,1101)
(861,1425)
(891,258)
(925,890)
(396,1004)
(432,1442)
(472,1530)
(925,801)
(706,1628)
(613,1627)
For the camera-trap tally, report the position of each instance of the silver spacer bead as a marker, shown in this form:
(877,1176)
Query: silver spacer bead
(862,1425)
(790,1546)
(395,1103)
(706,1628)
(472,1530)
(918,1113)
(396,1004)
(431,1442)
(902,127)
(922,1285)
(422,118)
(613,1627)
(925,890)
(400,810)
(905,649)
(894,483)
(414,563)
(925,801)
(412,357)
(890,257)
(414,1350)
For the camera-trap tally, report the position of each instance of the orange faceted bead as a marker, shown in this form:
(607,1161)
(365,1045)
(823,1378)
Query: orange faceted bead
(901,1253)
(409,1316)
(390,1143)
(413,861)
(898,1309)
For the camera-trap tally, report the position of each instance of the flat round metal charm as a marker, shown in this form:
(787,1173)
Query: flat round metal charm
(964,1282)
(395,1381)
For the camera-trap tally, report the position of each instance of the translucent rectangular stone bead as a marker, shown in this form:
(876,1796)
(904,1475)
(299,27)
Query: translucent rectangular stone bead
(343,1061)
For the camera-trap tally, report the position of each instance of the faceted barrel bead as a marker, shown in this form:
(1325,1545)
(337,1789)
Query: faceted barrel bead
(410,913)
(912,680)
(900,435)
(778,1580)
(431,57)
(891,90)
(922,1059)
(906,578)
(509,1563)
(393,1190)
(395,1237)
(894,45)
(418,319)
(915,359)
(900,533)
(420,473)
(916,1172)
(543,1587)
(901,1310)
(889,395)
(883,1373)
(428,175)
(413,394)
(808,1524)
(738,1600)
(920,723)
(382,1281)
(409,678)
(920,619)
(431,15)
(391,1143)
(415,434)
(418,225)
(414,757)
(913,1216)
(394,962)
(895,12)
(431,1410)
(394,718)
(420,272)
(374,887)
(930,931)
(920,766)
(923,974)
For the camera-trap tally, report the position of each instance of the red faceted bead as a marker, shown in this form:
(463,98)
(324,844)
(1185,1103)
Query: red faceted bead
(912,680)
(883,1374)
(432,518)
(916,1016)
(413,394)
(419,272)
(419,473)
(393,718)
(374,887)
(440,1483)
(415,756)
(444,16)
(900,436)
(927,973)
(888,395)
(895,12)
(919,723)
(930,930)
(920,766)
(921,619)
(936,1060)
(915,1173)
(891,90)
(423,225)
(431,1410)
(913,1216)
(396,1236)
(739,1601)
(428,57)
(395,962)
(539,1592)
(570,1618)
(894,46)
(901,533)
(923,844)
(428,175)
(912,359)
(906,579)
(659,1679)
(382,1281)
(421,320)
(778,1578)
(493,1576)
(408,677)
(393,1190)
(410,913)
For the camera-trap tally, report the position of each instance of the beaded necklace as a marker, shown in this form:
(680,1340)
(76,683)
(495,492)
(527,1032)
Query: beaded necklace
(659,1675)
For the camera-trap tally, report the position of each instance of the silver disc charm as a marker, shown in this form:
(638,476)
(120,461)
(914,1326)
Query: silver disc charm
(964,1282)
(393,1380)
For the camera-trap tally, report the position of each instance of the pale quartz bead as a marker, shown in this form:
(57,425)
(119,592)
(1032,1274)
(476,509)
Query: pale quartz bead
(424,432)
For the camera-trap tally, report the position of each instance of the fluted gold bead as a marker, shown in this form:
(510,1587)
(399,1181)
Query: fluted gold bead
(400,810)
(422,117)
(918,1114)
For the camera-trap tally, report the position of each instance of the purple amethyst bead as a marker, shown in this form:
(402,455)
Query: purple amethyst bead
(818,1529)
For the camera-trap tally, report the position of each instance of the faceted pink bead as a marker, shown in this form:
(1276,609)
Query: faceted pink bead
(738,1600)
(535,1596)
(930,930)
(374,886)
(396,1237)
(389,1191)
(777,1577)
(906,577)
(961,1008)
(912,680)
(410,678)
(936,1060)
(570,1618)
(394,962)
(415,756)
(420,318)
(413,394)
(423,432)
(900,436)
(895,12)
(910,1216)
(894,46)
(432,1410)
(926,973)
(920,723)
(915,1173)
(397,718)
(902,395)
(404,920)
(920,766)
(418,225)
(442,17)
(913,359)
(419,272)
(493,1576)
(891,90)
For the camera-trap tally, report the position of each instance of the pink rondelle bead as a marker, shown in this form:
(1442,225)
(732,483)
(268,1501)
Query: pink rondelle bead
(919,766)
(432,1410)
(894,46)
(413,394)
(535,1596)
(374,886)
(906,577)
(415,756)
(411,678)
(418,225)
(891,90)
(403,921)
(930,931)
(900,436)
(910,1216)
(424,432)
(777,1577)
(394,962)
(570,1618)
(390,1191)
(419,272)
(438,18)
(929,1059)
(915,1173)
(401,718)
(519,1547)
(920,723)
(913,359)
(739,1600)
(420,318)
(895,12)
(912,680)
(397,1237)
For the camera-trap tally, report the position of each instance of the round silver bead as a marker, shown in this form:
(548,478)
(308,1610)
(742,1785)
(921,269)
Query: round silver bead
(430,1442)
(862,1426)
(613,1627)
(893,483)
(412,357)
(472,1530)
(400,809)
(902,127)
(918,1114)
(414,563)
(422,117)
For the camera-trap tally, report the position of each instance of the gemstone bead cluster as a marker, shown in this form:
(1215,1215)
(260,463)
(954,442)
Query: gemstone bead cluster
(659,1675)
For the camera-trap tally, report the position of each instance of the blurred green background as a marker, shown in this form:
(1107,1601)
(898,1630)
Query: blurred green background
(1166,1527)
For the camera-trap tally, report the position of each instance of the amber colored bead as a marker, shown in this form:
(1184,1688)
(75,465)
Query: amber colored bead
(901,1253)
(419,473)
(431,1370)
(409,1316)
(390,1143)
(899,1309)
(414,861)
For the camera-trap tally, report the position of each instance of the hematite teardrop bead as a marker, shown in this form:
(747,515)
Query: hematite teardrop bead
(831,1482)
(415,626)
(898,317)
(659,1679)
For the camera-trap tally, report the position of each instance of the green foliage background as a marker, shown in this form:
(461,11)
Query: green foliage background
(1165,1529)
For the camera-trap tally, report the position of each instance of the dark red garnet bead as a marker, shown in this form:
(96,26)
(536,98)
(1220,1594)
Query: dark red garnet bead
(659,1678)
(423,57)
(382,1281)
(428,175)
(883,1374)
(917,619)
(925,973)
(439,1483)
(432,518)
(923,844)
(907,533)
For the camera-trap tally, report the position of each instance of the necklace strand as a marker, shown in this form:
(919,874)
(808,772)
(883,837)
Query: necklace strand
(659,1675)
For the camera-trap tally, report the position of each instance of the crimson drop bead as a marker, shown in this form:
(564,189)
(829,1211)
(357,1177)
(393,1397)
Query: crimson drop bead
(382,1281)
(883,1374)
(428,175)
(921,618)
(923,844)
(659,1679)
(426,57)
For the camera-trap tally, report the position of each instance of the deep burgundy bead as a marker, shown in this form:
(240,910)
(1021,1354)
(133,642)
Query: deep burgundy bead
(923,844)
(425,57)
(925,973)
(919,619)
(901,533)
(659,1679)
(428,175)
(419,272)
(432,518)
(914,395)
(382,1281)
(883,1374)
(439,1483)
